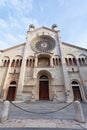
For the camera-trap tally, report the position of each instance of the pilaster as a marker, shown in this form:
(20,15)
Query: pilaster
(6,81)
(51,62)
(64,69)
(81,82)
(36,61)
(21,77)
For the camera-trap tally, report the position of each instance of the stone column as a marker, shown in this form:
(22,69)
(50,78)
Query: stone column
(21,79)
(51,62)
(65,73)
(66,81)
(36,61)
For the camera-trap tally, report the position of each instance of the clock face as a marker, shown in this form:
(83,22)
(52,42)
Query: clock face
(43,45)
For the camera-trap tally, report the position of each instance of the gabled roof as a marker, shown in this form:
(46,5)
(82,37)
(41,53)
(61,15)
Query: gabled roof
(43,27)
(22,44)
(74,46)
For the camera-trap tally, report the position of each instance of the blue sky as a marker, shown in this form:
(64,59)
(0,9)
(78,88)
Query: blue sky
(69,15)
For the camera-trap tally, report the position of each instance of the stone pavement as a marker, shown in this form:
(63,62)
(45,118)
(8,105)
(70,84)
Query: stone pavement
(38,129)
(42,123)
(62,119)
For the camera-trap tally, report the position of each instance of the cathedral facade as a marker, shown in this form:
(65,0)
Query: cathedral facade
(43,68)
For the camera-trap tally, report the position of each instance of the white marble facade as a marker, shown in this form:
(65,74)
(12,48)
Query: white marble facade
(43,68)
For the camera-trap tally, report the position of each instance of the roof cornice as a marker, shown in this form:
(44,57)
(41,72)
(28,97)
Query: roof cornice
(74,46)
(43,27)
(22,44)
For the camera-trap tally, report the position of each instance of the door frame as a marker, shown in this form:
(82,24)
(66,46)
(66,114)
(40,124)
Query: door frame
(77,86)
(50,78)
(46,79)
(13,92)
(12,85)
(44,97)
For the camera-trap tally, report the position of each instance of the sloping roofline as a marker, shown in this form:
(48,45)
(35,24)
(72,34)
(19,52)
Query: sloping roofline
(41,28)
(22,44)
(74,46)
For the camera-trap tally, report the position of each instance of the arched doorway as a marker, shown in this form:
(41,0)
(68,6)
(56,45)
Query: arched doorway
(43,88)
(76,91)
(12,91)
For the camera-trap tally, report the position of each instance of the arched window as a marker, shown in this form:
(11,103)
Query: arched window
(83,61)
(33,62)
(66,61)
(27,62)
(8,62)
(70,61)
(5,63)
(74,61)
(17,63)
(30,62)
(56,61)
(74,82)
(13,63)
(20,62)
(13,82)
(53,61)
(43,77)
(59,61)
(79,61)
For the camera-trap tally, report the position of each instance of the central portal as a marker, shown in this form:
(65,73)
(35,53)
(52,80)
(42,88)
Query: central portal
(43,88)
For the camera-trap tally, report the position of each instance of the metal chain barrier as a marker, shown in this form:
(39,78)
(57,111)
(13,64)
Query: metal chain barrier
(33,112)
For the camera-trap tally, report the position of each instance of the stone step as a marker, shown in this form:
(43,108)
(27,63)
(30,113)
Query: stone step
(37,129)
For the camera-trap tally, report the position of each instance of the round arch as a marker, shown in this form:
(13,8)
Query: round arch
(76,90)
(12,91)
(70,55)
(44,85)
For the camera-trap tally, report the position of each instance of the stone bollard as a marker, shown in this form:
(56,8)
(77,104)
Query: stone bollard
(79,112)
(5,110)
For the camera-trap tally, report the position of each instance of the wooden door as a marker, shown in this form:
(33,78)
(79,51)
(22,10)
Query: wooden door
(11,93)
(44,90)
(77,94)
